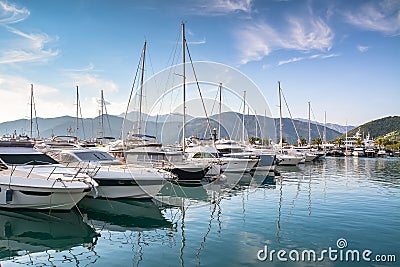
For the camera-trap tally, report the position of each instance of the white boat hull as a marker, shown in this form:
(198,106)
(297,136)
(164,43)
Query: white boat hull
(237,164)
(117,182)
(20,195)
(288,160)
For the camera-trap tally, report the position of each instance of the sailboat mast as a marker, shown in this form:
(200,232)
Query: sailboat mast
(325,128)
(346,139)
(77,110)
(280,115)
(31,119)
(220,110)
(101,118)
(244,112)
(141,89)
(309,123)
(184,87)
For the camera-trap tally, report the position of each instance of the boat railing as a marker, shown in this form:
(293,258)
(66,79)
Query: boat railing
(75,173)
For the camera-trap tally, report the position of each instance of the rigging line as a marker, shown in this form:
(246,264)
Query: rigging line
(83,124)
(36,121)
(316,123)
(215,100)
(198,88)
(108,117)
(291,117)
(130,98)
(172,55)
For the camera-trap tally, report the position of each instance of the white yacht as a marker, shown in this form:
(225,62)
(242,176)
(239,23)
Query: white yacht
(285,159)
(206,155)
(169,160)
(32,180)
(382,153)
(115,179)
(237,159)
(358,152)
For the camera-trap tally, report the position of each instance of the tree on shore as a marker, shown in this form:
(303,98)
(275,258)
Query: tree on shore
(317,141)
(339,141)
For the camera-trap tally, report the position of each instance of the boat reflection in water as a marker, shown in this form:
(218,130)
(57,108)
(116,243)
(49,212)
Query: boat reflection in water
(120,215)
(24,232)
(179,195)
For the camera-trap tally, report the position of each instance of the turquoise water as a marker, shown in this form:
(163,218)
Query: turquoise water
(309,208)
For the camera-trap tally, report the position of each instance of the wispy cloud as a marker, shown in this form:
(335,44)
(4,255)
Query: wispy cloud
(31,49)
(27,47)
(295,59)
(203,41)
(362,48)
(92,82)
(380,16)
(315,56)
(222,7)
(257,40)
(89,68)
(11,14)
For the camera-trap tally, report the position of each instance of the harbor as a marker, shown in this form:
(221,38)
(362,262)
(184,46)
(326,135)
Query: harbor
(206,133)
(307,207)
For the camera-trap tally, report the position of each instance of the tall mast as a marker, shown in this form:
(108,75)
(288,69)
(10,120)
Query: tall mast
(220,110)
(102,112)
(325,128)
(100,130)
(255,122)
(77,110)
(244,112)
(141,89)
(280,115)
(264,133)
(309,123)
(346,139)
(184,87)
(31,119)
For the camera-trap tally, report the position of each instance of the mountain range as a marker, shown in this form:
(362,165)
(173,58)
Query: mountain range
(333,126)
(167,128)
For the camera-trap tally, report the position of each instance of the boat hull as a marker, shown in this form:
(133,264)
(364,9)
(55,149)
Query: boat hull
(286,160)
(238,164)
(40,198)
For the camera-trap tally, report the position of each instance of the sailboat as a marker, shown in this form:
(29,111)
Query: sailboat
(153,154)
(284,157)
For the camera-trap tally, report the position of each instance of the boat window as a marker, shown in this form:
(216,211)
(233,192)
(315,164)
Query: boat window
(175,158)
(203,155)
(27,159)
(144,157)
(94,156)
(67,158)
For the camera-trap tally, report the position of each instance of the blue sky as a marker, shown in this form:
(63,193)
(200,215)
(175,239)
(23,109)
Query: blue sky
(343,56)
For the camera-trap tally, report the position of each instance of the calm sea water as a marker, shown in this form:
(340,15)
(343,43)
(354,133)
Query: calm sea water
(310,208)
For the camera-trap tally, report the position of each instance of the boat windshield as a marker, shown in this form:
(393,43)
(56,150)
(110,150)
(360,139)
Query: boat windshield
(27,159)
(94,156)
(204,155)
